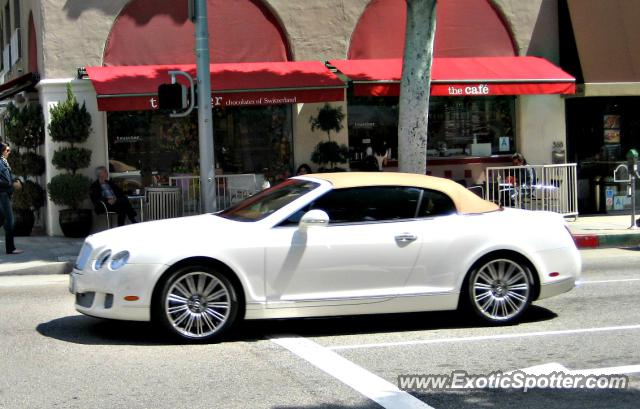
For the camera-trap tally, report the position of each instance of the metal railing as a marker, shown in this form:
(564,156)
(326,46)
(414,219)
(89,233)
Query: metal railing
(230,189)
(163,203)
(534,187)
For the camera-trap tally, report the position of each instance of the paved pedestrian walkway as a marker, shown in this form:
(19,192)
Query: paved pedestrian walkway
(42,255)
(604,231)
(55,255)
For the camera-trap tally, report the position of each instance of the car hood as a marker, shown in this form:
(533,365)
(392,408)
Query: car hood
(162,240)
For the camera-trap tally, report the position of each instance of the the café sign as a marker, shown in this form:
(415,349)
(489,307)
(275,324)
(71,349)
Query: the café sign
(464,90)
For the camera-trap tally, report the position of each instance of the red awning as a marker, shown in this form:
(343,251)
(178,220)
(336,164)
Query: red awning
(132,88)
(462,76)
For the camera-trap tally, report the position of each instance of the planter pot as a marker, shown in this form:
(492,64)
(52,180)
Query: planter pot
(23,221)
(75,223)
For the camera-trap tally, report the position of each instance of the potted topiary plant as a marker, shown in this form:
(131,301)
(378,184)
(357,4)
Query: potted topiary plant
(24,128)
(71,124)
(329,119)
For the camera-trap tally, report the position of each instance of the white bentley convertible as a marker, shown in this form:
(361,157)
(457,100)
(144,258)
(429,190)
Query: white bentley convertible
(326,245)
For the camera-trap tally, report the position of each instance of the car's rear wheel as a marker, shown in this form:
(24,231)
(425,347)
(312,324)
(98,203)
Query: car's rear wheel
(499,290)
(197,303)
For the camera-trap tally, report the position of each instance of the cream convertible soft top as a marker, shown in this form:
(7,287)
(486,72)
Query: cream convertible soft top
(464,200)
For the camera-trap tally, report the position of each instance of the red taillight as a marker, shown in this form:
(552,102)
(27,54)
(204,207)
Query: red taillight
(554,274)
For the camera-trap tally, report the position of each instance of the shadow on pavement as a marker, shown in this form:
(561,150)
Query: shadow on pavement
(80,329)
(534,398)
(85,330)
(372,324)
(636,248)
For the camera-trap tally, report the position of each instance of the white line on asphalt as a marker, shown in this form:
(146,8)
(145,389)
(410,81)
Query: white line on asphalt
(33,280)
(608,281)
(372,386)
(488,337)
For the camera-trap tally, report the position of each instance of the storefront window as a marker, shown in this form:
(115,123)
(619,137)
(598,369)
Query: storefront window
(600,133)
(147,147)
(478,126)
(373,129)
(458,126)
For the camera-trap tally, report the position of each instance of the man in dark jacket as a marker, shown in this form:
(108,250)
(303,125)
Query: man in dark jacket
(6,190)
(105,191)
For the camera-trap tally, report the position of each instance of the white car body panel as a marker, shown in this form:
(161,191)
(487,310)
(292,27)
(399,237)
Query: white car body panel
(338,262)
(340,269)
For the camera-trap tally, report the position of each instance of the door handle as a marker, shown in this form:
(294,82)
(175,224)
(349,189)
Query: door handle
(406,237)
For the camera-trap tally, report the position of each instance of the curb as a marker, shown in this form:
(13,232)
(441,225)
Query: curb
(593,241)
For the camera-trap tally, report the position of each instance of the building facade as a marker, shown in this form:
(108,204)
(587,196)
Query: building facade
(270,79)
(600,48)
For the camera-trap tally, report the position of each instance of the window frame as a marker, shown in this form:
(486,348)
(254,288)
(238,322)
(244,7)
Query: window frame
(287,222)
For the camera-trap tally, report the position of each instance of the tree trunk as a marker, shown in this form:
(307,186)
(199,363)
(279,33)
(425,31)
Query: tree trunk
(415,86)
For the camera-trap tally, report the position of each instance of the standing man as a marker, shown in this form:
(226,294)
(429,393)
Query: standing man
(105,191)
(6,190)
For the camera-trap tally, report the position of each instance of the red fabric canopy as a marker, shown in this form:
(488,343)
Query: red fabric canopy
(465,28)
(133,88)
(462,76)
(148,32)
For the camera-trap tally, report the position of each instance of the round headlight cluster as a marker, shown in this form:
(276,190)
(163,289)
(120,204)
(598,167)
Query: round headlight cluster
(101,260)
(115,262)
(119,260)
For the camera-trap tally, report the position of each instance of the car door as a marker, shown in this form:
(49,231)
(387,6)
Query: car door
(366,252)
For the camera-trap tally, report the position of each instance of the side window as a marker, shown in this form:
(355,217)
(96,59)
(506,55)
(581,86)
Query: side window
(364,204)
(435,203)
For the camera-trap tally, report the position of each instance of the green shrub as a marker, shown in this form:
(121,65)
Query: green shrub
(31,196)
(68,190)
(71,158)
(27,164)
(70,123)
(330,152)
(328,119)
(25,126)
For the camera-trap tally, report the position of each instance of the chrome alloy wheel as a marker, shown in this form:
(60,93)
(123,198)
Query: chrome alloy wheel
(198,304)
(500,290)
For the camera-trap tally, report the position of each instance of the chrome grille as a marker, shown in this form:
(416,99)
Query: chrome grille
(83,257)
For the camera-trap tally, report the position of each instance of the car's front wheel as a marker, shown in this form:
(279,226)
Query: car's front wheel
(499,290)
(197,303)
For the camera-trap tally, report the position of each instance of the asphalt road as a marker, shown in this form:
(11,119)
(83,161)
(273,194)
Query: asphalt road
(52,357)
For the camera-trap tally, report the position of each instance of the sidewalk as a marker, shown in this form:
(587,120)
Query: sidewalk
(55,255)
(604,231)
(42,255)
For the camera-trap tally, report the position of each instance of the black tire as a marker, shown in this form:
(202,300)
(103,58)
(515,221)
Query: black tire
(197,303)
(499,289)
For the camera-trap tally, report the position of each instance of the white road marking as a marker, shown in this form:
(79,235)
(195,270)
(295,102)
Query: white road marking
(608,281)
(488,337)
(372,386)
(33,280)
(550,368)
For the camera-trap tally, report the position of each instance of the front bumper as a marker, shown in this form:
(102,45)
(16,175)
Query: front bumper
(124,294)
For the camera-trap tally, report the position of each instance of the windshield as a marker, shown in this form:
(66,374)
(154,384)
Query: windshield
(268,201)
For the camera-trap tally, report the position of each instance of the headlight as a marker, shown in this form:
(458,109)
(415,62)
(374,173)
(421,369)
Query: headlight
(119,260)
(101,260)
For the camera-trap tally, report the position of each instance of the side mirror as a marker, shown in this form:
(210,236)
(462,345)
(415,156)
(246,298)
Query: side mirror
(314,218)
